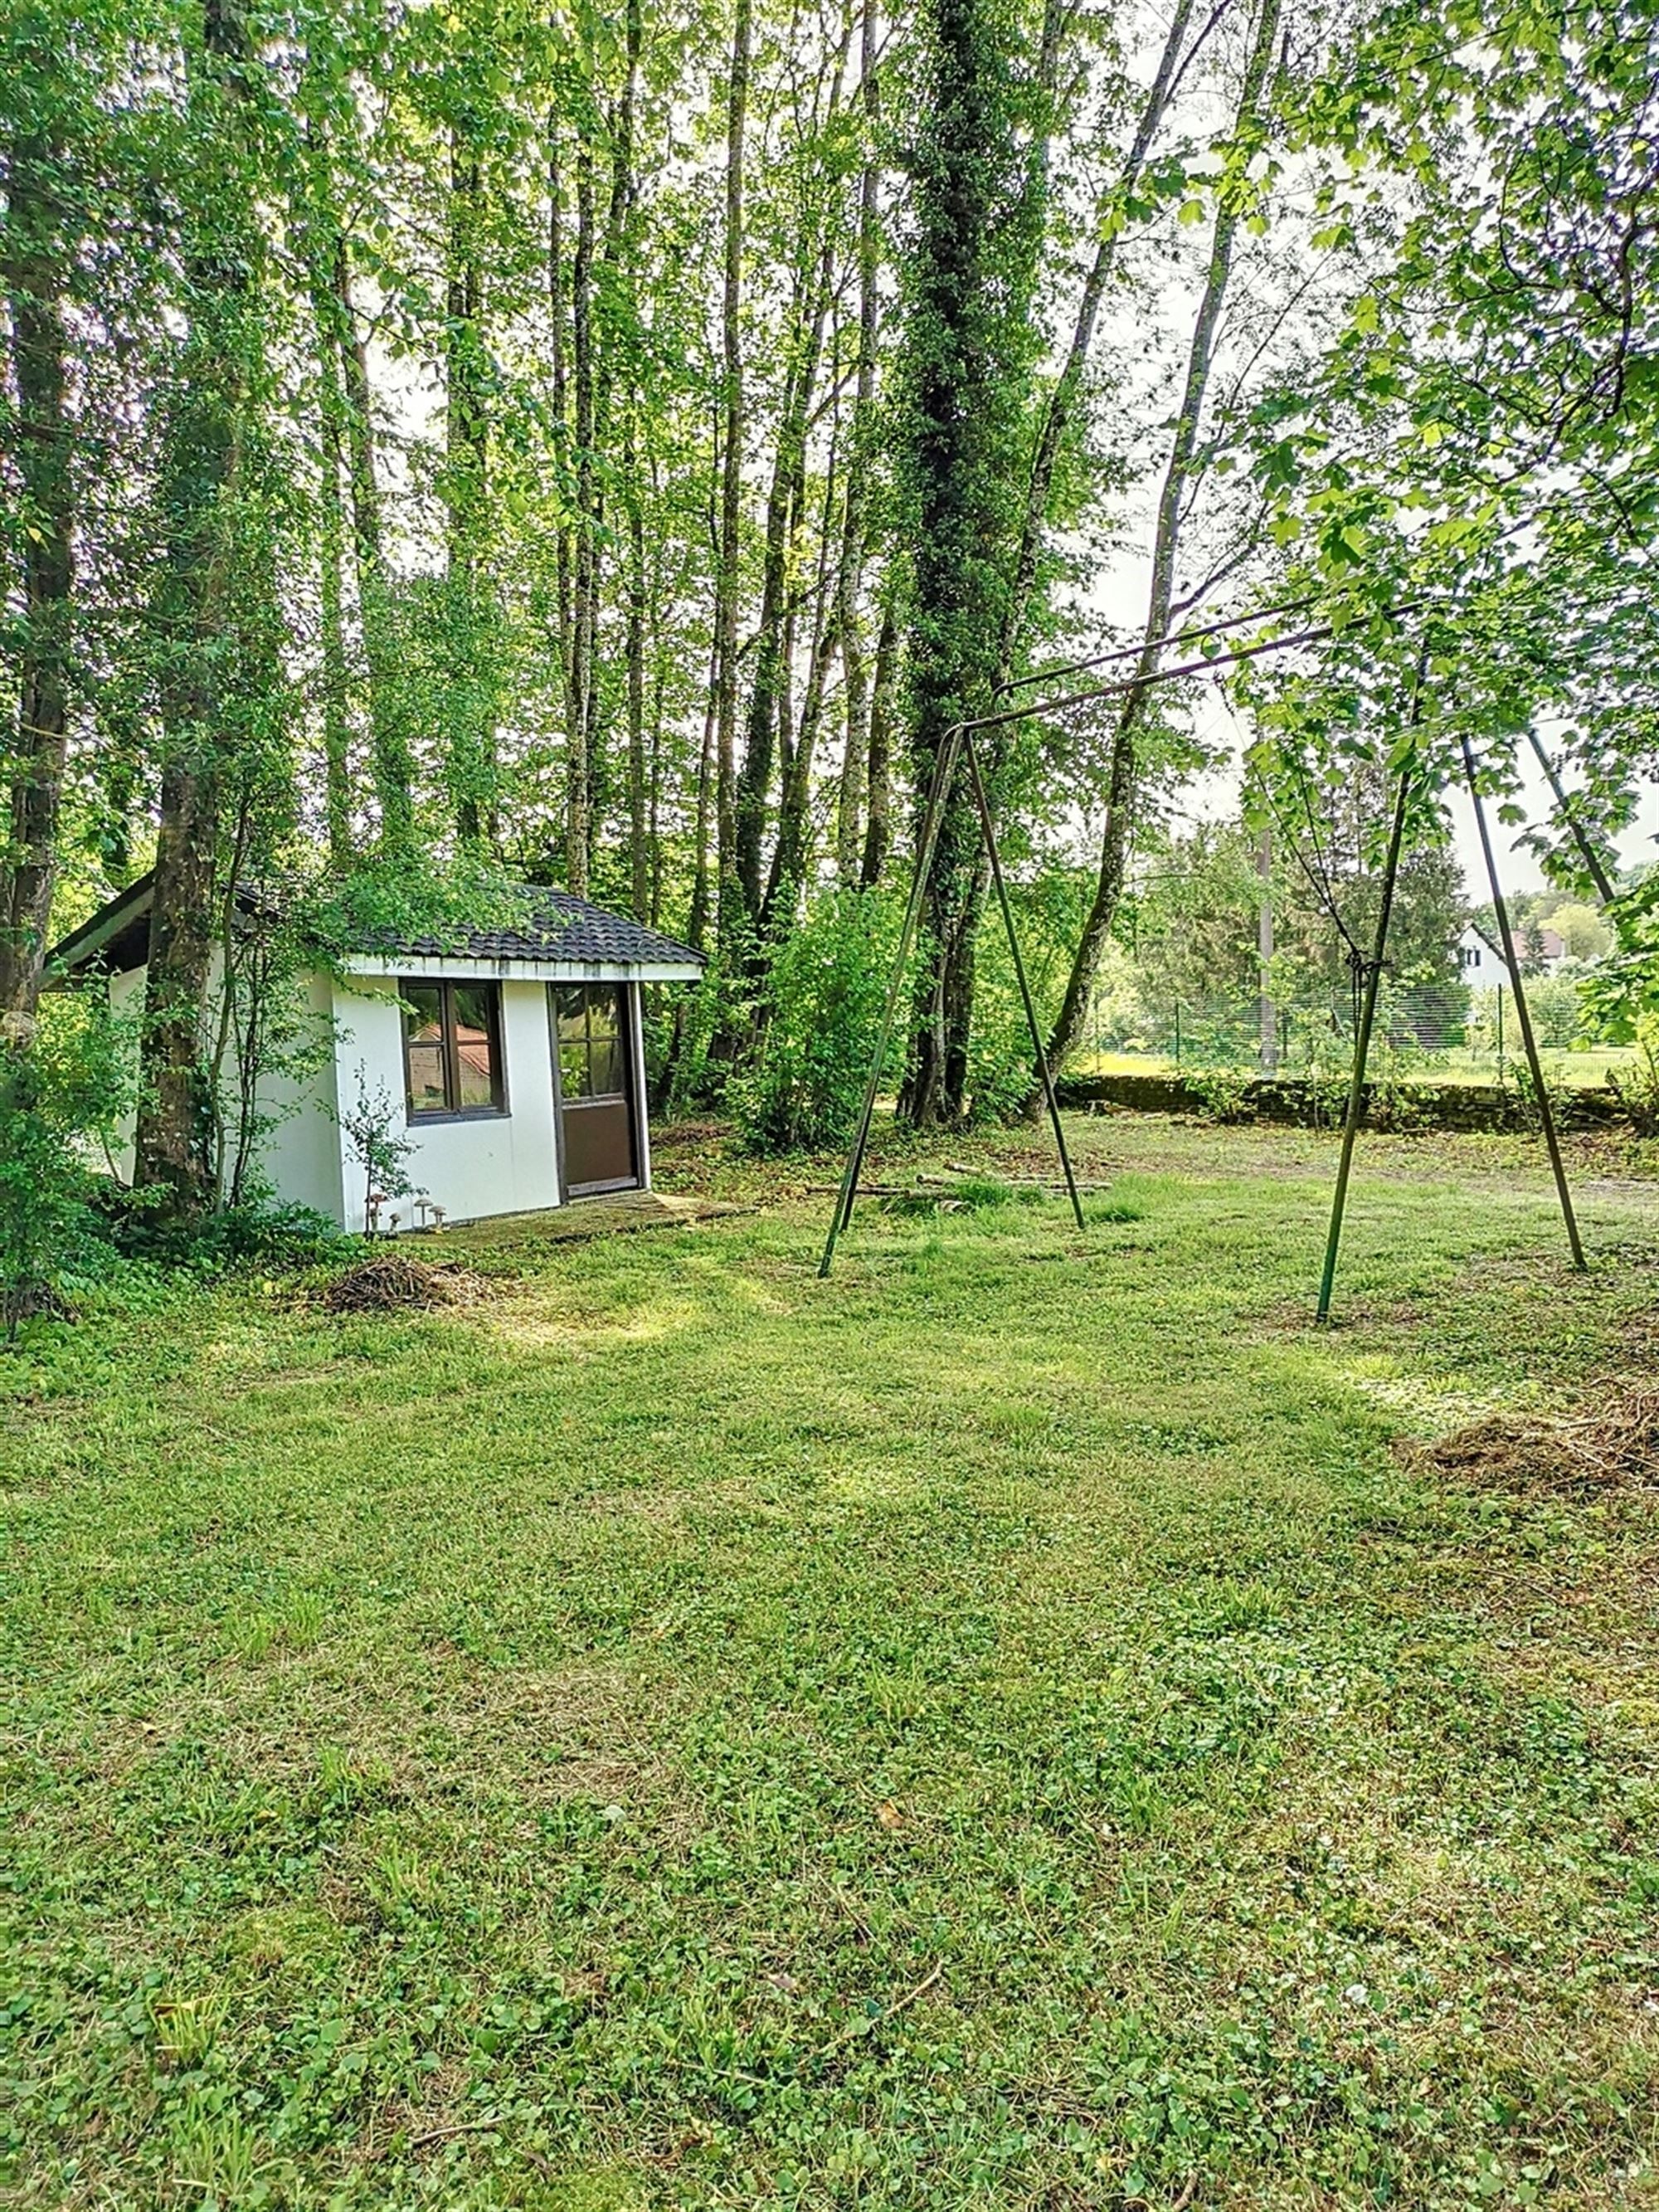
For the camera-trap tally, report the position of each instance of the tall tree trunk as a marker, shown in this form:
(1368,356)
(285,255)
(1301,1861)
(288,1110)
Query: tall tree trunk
(768,699)
(968,341)
(1063,400)
(336,721)
(564,642)
(878,834)
(391,757)
(34,270)
(206,448)
(791,856)
(472,733)
(702,889)
(609,270)
(639,851)
(729,890)
(580,714)
(317,230)
(855,529)
(1166,545)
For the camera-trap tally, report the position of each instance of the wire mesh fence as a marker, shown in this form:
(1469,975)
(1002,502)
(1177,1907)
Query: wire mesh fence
(1451,1033)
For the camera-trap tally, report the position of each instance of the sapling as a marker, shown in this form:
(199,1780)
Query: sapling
(370,1130)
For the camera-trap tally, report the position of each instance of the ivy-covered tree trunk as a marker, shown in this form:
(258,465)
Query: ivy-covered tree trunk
(968,351)
(195,610)
(34,271)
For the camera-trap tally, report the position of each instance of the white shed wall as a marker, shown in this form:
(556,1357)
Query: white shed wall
(300,1156)
(481,1165)
(485,1164)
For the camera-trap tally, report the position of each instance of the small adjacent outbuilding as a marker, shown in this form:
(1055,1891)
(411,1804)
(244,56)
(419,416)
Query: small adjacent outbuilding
(516,1055)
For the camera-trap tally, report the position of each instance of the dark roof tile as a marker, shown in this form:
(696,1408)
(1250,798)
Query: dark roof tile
(559,926)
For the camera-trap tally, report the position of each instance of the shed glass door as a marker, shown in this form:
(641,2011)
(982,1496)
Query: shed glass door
(594,1044)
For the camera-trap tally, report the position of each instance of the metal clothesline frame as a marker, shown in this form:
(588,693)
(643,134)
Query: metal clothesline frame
(959,741)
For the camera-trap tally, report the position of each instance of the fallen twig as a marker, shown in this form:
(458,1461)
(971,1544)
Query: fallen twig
(857,2027)
(1014,1181)
(451,2128)
(867,1189)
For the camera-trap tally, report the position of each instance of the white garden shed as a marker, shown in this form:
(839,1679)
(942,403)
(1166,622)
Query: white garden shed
(515,1054)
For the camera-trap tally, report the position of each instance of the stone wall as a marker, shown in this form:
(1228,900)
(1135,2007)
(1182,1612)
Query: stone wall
(1294,1100)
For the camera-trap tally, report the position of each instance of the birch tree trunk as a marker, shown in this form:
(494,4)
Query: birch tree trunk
(878,834)
(579,830)
(336,721)
(391,764)
(1063,400)
(855,524)
(769,708)
(729,890)
(639,850)
(472,733)
(1166,544)
(791,856)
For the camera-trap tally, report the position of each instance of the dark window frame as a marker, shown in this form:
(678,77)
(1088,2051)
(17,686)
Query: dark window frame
(622,1040)
(448,1037)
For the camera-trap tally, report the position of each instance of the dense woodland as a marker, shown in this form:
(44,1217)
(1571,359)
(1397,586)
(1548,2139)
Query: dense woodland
(452,446)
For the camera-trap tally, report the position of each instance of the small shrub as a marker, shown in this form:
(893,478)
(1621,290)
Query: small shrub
(1223,1093)
(1400,1108)
(260,1232)
(1638,1088)
(63,1089)
(820,1013)
(1558,1095)
(43,1214)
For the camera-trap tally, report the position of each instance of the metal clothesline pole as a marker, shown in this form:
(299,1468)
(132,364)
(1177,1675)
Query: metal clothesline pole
(1362,1045)
(944,767)
(944,771)
(989,828)
(1546,1115)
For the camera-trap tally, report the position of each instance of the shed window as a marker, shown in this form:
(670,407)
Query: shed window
(452,1048)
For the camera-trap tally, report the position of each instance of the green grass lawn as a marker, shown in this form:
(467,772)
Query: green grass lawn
(1002,1728)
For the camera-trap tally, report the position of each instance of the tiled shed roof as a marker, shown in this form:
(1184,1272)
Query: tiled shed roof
(559,926)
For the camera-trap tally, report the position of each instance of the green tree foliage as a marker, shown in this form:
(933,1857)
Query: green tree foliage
(818,1023)
(614,447)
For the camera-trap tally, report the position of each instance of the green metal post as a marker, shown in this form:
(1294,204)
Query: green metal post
(1362,1046)
(1587,851)
(989,827)
(944,771)
(1523,1017)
